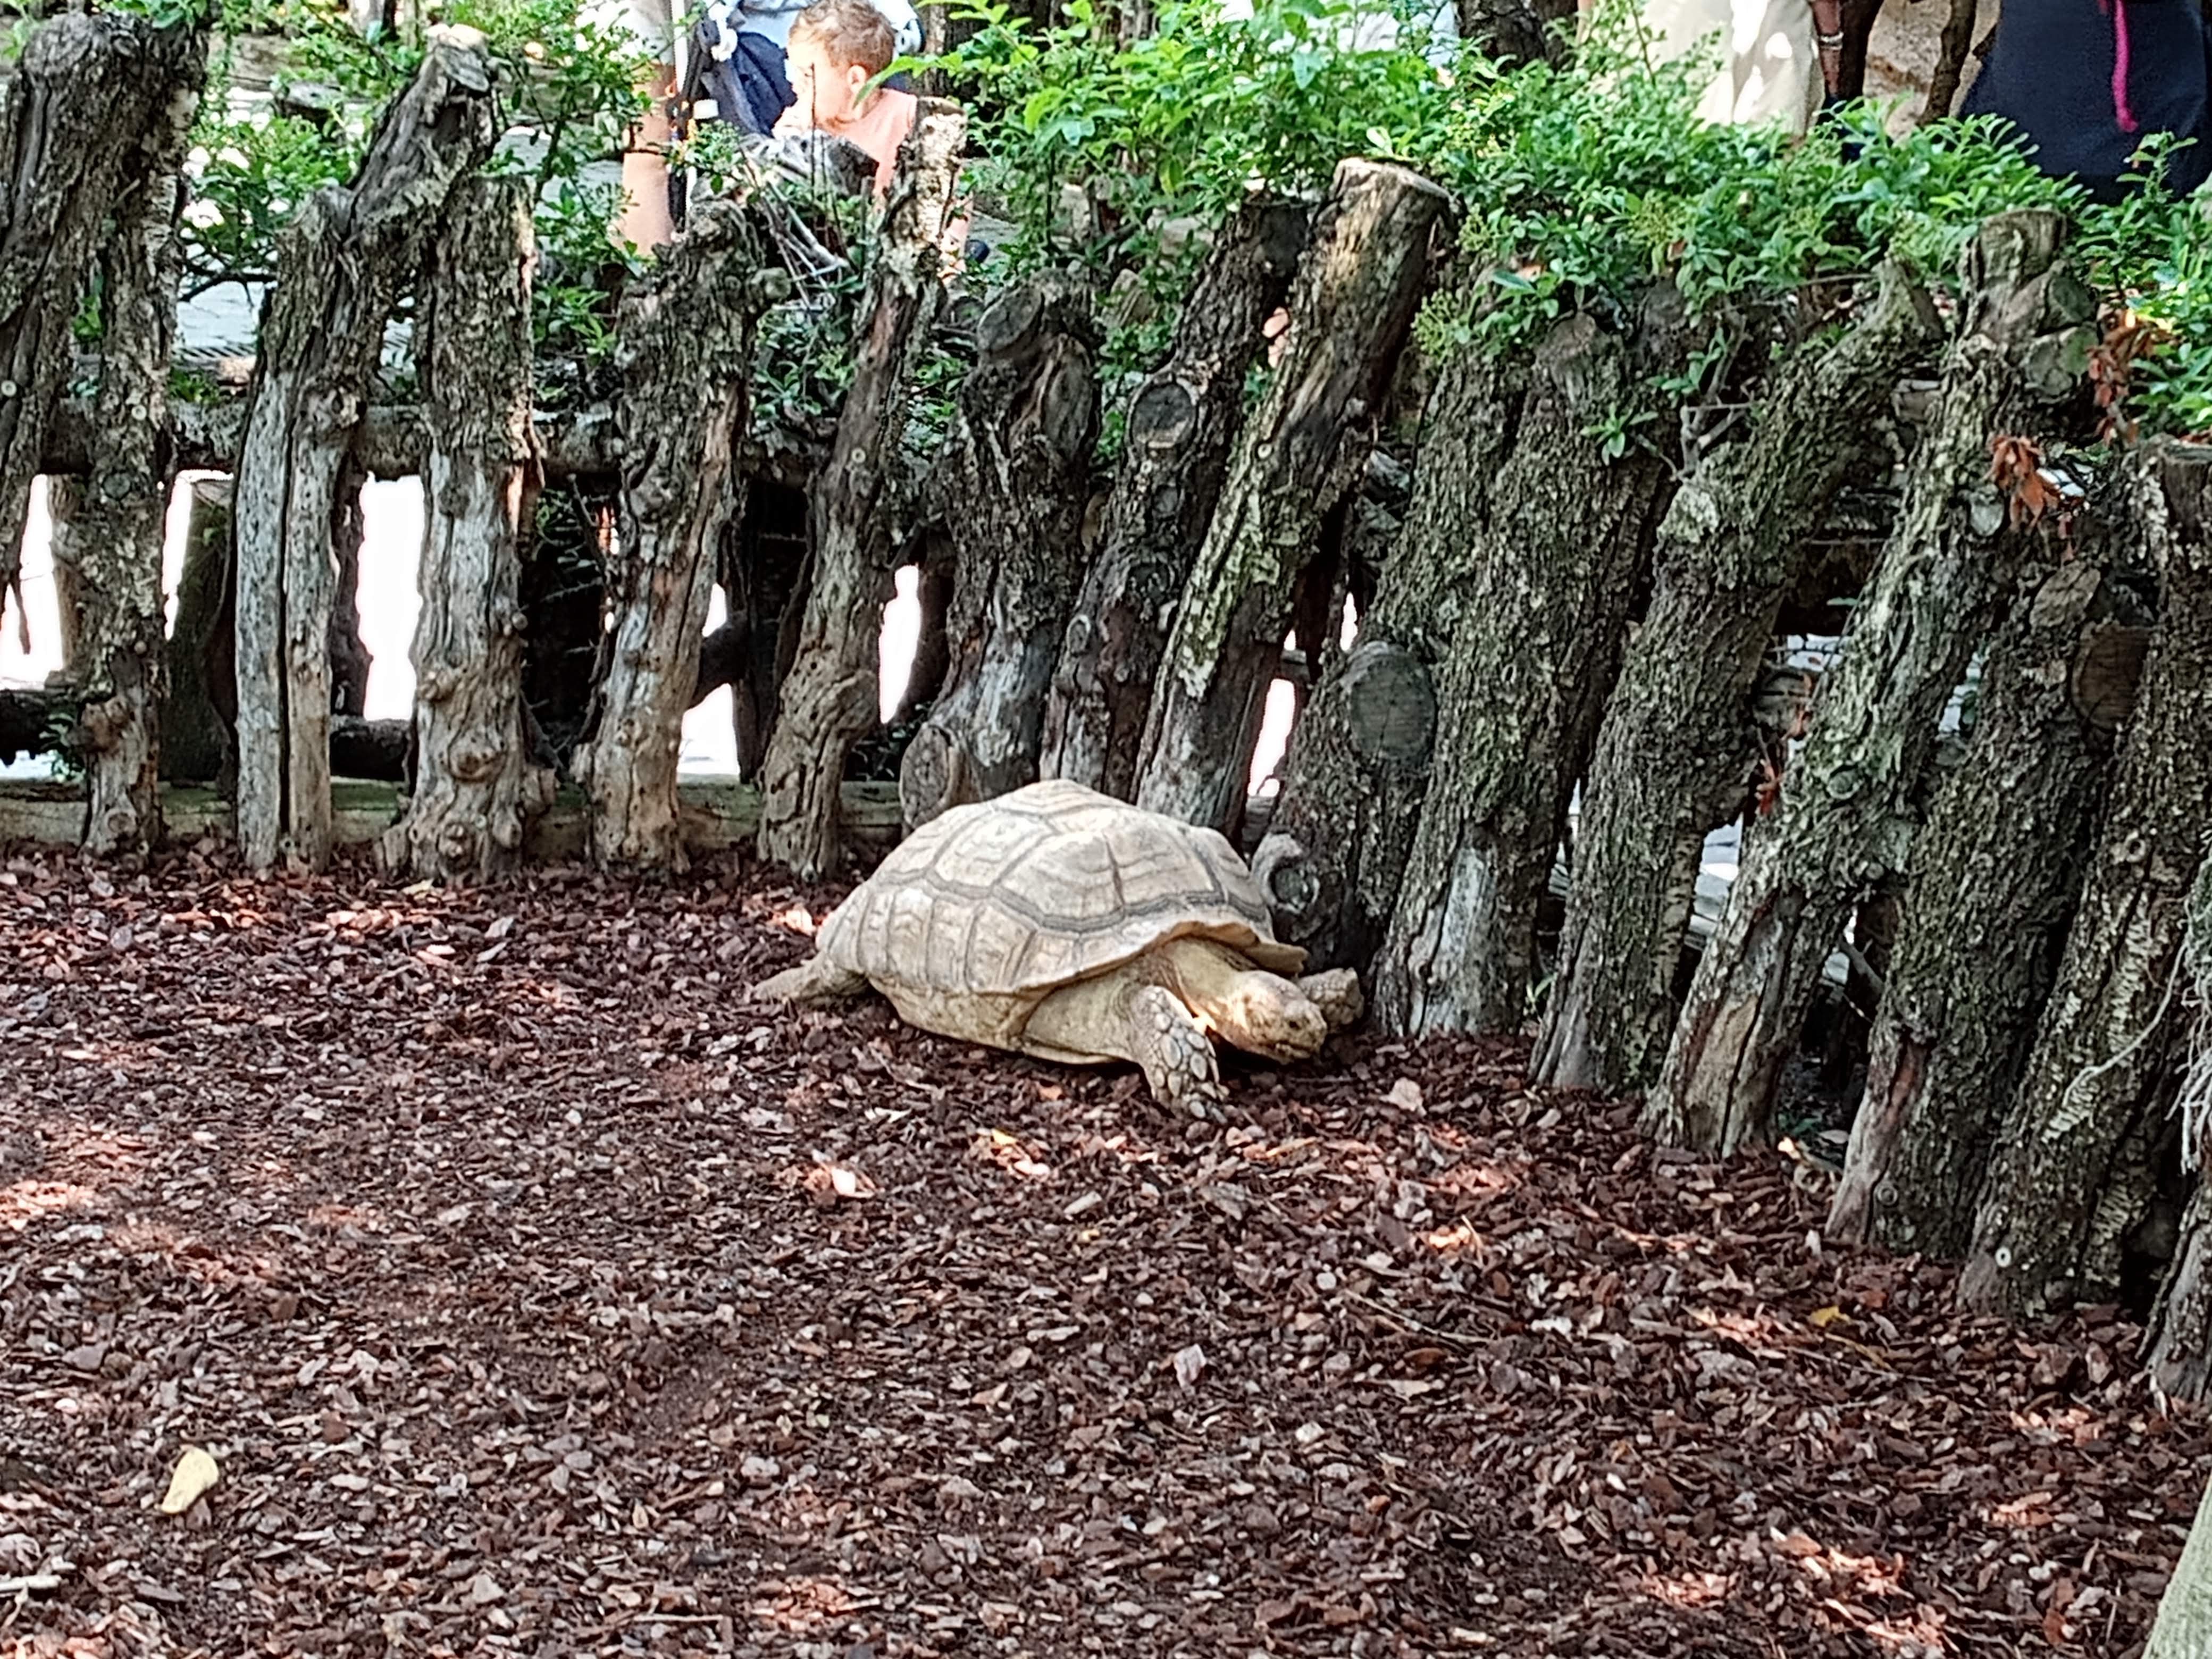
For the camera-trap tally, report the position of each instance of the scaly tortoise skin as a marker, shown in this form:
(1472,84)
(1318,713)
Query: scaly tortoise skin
(1060,922)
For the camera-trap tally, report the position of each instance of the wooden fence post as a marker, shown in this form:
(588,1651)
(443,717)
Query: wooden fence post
(687,337)
(340,264)
(86,84)
(1994,878)
(2070,1175)
(123,672)
(830,698)
(1010,489)
(1556,568)
(476,785)
(1359,756)
(1303,448)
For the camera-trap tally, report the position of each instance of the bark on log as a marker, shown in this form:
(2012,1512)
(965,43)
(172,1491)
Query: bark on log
(83,87)
(2183,1629)
(1994,876)
(1360,756)
(2180,1360)
(2061,1191)
(124,523)
(687,348)
(1845,817)
(1303,448)
(477,787)
(1181,424)
(340,264)
(830,698)
(196,714)
(1010,489)
(1675,748)
(1558,566)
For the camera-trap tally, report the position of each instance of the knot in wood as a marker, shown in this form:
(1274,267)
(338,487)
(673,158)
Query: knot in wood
(1280,865)
(474,762)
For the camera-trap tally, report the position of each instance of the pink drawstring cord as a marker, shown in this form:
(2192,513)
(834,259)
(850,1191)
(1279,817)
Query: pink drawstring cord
(2118,12)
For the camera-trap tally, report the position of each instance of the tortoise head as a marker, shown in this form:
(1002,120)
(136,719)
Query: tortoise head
(1264,1013)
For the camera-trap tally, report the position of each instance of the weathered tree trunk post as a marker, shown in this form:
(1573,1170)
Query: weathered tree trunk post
(2061,1191)
(2183,1627)
(1846,814)
(829,699)
(340,264)
(122,670)
(1994,876)
(687,346)
(1556,566)
(1675,748)
(1010,489)
(476,785)
(196,714)
(1302,449)
(105,74)
(1181,424)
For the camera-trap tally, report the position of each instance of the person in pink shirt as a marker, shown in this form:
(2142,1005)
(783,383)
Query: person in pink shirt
(837,47)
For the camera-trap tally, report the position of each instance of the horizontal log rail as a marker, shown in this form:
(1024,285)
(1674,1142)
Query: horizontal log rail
(395,441)
(716,815)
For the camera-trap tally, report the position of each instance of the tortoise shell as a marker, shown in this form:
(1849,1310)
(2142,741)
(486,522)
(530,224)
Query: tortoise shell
(1054,883)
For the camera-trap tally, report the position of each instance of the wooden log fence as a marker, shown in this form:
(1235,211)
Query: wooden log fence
(1544,614)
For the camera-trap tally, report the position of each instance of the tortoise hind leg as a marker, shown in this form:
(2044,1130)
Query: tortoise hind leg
(815,980)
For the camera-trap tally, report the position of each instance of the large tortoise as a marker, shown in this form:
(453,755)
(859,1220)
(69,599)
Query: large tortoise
(1060,922)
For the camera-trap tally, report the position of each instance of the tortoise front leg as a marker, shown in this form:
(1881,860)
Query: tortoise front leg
(1177,1056)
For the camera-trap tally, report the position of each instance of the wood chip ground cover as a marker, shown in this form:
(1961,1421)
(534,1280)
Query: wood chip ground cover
(535,1294)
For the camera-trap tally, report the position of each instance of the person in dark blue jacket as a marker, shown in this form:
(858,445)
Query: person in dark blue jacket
(2087,81)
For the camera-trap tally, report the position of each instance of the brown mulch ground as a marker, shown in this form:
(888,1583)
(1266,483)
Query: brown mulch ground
(537,1295)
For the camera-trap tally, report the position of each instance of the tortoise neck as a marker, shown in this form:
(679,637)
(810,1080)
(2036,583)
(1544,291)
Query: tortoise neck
(1207,976)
